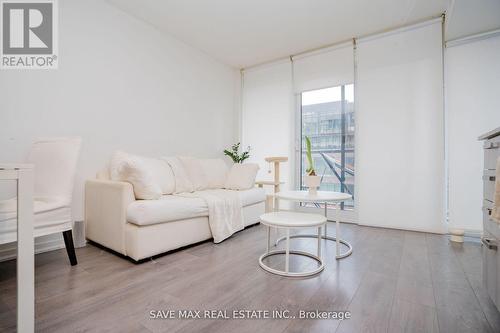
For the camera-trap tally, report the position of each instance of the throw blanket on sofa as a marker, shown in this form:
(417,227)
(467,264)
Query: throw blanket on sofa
(225,215)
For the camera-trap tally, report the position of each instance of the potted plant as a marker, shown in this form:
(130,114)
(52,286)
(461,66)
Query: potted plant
(311,181)
(235,155)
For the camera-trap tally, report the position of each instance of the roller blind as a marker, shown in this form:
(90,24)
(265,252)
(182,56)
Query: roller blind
(326,68)
(400,129)
(267,116)
(473,108)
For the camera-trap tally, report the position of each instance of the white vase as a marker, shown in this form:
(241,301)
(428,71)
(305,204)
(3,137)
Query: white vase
(312,183)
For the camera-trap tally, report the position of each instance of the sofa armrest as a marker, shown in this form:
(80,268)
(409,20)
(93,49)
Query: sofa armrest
(106,205)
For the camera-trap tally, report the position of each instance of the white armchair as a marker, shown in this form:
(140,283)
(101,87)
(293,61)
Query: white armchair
(55,161)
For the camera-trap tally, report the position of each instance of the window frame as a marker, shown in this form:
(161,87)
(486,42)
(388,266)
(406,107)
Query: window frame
(348,214)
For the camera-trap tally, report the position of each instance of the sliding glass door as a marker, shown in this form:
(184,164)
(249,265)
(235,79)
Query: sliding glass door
(327,118)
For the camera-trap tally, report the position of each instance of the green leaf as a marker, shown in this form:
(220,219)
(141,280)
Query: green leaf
(234,153)
(310,169)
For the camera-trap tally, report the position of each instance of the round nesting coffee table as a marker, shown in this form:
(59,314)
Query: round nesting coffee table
(287,221)
(324,197)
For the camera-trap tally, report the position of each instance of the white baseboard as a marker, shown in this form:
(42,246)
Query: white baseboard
(473,233)
(42,244)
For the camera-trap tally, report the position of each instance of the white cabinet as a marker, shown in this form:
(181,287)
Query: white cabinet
(491,229)
(490,266)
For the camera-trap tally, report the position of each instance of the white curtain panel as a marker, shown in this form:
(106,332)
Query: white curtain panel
(268,117)
(473,108)
(400,129)
(324,68)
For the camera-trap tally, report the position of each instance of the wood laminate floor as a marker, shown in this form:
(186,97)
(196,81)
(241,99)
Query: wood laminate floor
(395,281)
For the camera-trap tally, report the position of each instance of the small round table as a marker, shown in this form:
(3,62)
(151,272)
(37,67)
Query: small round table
(287,220)
(325,197)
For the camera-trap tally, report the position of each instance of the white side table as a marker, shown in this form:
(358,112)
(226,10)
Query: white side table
(288,220)
(324,197)
(23,175)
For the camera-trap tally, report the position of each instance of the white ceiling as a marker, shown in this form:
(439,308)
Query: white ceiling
(241,33)
(472,17)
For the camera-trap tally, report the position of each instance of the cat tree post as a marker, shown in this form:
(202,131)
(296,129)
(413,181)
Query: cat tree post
(271,202)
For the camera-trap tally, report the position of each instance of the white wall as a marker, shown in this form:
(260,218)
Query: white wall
(121,84)
(472,84)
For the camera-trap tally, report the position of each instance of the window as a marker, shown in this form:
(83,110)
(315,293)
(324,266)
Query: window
(327,118)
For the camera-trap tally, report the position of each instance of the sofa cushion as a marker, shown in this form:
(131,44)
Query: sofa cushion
(182,181)
(162,174)
(167,208)
(241,176)
(145,170)
(195,172)
(173,208)
(133,169)
(252,196)
(216,171)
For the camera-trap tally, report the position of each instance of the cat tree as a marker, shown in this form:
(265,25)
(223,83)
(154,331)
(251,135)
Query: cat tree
(271,202)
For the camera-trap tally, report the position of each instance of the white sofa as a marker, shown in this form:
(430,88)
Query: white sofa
(143,228)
